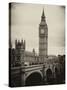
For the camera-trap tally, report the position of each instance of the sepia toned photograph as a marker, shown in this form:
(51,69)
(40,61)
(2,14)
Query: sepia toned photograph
(36,44)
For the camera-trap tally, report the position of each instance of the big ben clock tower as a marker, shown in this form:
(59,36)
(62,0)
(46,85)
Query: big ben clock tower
(43,38)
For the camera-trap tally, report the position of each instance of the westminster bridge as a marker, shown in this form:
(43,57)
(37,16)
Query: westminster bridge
(39,74)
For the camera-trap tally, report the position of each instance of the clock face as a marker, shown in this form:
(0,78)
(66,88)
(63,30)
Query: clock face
(42,31)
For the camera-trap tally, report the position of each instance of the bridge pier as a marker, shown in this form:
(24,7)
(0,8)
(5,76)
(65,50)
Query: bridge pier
(23,76)
(23,79)
(43,72)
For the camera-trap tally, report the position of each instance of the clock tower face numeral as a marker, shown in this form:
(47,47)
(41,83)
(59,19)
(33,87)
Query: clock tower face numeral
(42,31)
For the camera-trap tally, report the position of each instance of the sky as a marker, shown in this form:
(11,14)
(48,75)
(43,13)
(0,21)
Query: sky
(25,20)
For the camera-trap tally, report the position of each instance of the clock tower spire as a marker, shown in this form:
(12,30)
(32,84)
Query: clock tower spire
(43,38)
(43,16)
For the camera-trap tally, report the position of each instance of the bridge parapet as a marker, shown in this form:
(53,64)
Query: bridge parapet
(33,67)
(22,69)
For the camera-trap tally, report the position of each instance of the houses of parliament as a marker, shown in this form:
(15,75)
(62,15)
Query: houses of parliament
(32,57)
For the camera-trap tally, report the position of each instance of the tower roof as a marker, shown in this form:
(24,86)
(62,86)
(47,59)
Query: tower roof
(43,15)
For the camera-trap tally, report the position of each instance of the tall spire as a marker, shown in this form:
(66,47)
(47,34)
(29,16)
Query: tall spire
(43,13)
(24,44)
(43,16)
